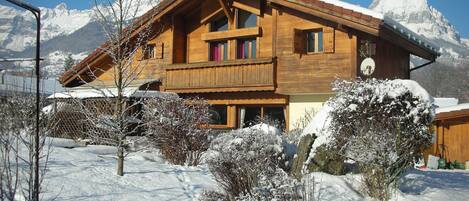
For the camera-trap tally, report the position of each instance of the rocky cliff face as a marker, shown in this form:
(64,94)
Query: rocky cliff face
(449,76)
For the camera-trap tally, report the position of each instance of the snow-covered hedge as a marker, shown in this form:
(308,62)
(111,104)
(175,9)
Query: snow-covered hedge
(381,124)
(278,186)
(238,159)
(381,121)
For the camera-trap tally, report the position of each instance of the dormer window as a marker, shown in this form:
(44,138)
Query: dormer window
(220,24)
(246,19)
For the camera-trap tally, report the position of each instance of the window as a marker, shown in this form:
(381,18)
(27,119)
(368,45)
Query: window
(246,48)
(314,41)
(218,114)
(218,51)
(273,115)
(246,19)
(219,25)
(317,40)
(249,116)
(149,51)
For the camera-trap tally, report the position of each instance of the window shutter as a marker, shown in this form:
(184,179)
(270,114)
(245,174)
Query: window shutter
(299,41)
(159,50)
(328,39)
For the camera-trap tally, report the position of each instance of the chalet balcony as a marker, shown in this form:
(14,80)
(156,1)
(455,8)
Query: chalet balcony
(226,76)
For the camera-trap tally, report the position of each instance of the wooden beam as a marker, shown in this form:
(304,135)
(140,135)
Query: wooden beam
(249,5)
(235,62)
(209,17)
(226,9)
(354,57)
(222,89)
(452,115)
(274,31)
(236,33)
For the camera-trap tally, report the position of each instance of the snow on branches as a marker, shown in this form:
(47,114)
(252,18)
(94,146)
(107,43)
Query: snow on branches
(379,121)
(381,124)
(178,127)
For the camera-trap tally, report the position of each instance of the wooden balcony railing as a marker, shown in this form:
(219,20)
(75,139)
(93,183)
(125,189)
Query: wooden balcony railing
(226,76)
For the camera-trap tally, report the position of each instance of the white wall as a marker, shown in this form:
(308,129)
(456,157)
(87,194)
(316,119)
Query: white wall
(300,104)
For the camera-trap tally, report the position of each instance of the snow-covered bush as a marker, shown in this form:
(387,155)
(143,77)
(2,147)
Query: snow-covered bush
(240,158)
(382,125)
(178,127)
(278,186)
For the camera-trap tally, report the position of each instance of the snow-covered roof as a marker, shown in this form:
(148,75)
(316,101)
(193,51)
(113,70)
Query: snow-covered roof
(410,35)
(388,22)
(86,93)
(355,8)
(464,106)
(445,102)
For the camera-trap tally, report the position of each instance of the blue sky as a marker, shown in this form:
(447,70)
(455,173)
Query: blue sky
(454,10)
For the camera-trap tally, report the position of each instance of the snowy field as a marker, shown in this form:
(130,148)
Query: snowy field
(88,173)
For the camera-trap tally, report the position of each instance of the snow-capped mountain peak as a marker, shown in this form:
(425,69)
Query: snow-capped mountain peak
(18,26)
(61,6)
(422,18)
(402,5)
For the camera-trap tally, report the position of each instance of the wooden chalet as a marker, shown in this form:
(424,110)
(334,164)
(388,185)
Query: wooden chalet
(264,58)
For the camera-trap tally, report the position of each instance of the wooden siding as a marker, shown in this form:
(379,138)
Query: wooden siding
(184,35)
(452,136)
(147,68)
(392,62)
(314,72)
(453,139)
(237,75)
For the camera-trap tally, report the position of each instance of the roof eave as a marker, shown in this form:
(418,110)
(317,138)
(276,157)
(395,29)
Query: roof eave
(422,47)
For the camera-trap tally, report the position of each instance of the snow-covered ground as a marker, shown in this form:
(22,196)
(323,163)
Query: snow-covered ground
(88,173)
(415,185)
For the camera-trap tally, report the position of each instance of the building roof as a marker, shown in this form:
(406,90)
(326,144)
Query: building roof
(356,17)
(90,93)
(452,112)
(365,17)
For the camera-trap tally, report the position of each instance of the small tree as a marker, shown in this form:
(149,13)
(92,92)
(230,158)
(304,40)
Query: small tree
(127,34)
(178,127)
(17,147)
(383,125)
(69,62)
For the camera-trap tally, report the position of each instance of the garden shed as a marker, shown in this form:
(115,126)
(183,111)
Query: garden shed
(452,133)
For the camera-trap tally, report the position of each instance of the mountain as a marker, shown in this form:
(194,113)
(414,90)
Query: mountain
(64,31)
(69,31)
(449,75)
(18,28)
